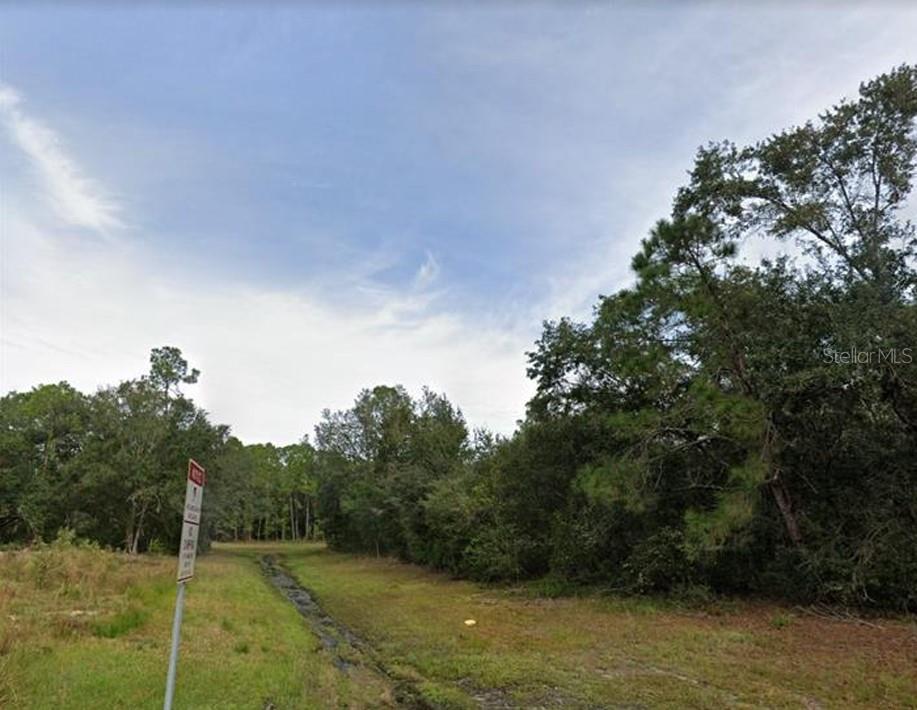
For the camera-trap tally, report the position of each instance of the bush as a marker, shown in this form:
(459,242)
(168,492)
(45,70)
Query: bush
(693,595)
(158,547)
(589,542)
(658,563)
(498,554)
(552,587)
(72,568)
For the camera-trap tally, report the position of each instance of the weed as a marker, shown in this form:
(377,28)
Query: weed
(552,587)
(69,626)
(7,634)
(120,623)
(530,647)
(780,621)
(693,595)
(597,650)
(158,547)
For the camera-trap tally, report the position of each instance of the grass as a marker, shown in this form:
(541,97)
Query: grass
(781,620)
(606,651)
(121,623)
(80,627)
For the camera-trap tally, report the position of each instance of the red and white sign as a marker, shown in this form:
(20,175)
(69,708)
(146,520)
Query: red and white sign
(191,520)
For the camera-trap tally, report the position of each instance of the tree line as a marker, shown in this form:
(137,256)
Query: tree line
(108,466)
(727,423)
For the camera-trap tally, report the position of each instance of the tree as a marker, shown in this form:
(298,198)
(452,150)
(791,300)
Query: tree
(168,369)
(41,433)
(109,466)
(710,381)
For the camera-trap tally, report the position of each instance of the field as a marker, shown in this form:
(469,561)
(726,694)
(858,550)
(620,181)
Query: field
(81,627)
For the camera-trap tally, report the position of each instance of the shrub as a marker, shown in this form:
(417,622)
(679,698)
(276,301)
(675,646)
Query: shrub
(120,623)
(658,563)
(158,547)
(497,553)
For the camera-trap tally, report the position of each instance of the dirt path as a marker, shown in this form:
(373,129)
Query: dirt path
(331,633)
(348,650)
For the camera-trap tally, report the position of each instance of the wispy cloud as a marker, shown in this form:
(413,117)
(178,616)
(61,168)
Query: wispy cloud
(272,359)
(78,200)
(427,272)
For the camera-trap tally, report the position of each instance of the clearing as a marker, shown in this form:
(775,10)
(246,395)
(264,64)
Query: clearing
(297,626)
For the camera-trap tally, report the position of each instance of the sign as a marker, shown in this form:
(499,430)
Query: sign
(190,525)
(191,520)
(188,552)
(193,493)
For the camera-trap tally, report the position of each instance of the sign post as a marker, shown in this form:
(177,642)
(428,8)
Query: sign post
(191,521)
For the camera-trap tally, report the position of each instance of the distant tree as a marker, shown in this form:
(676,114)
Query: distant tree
(110,466)
(168,369)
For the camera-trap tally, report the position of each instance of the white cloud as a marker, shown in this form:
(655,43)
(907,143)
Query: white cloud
(89,312)
(270,360)
(583,128)
(78,200)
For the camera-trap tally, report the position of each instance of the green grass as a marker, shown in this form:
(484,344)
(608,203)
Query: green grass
(80,628)
(606,651)
(243,646)
(121,623)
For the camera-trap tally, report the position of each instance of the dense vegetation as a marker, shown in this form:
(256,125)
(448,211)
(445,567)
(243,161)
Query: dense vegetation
(104,465)
(724,424)
(109,466)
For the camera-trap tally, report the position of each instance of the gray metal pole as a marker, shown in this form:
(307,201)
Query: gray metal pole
(173,657)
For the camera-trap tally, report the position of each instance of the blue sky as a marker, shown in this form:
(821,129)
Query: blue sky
(312,198)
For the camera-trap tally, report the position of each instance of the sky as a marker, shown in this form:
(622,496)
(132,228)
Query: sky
(313,198)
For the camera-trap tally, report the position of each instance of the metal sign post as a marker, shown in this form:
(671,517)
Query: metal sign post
(191,521)
(173,656)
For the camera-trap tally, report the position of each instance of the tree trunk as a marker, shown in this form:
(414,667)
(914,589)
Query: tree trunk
(776,485)
(129,531)
(135,543)
(739,366)
(785,504)
(292,519)
(308,530)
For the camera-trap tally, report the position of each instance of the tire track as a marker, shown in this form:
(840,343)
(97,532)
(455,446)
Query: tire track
(336,638)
